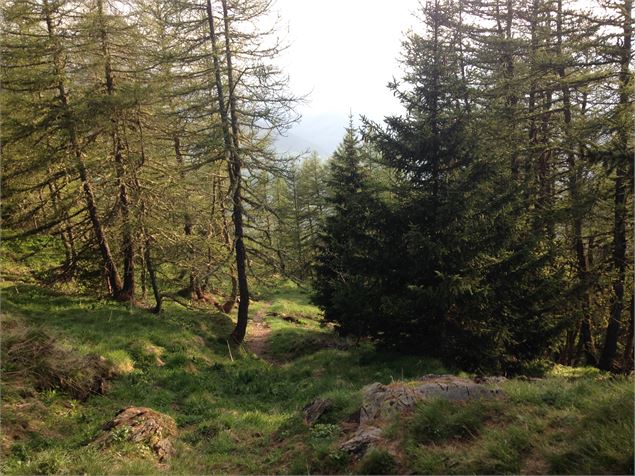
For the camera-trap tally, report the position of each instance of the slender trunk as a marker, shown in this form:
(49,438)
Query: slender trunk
(153,275)
(194,285)
(464,83)
(621,180)
(241,256)
(229,304)
(187,218)
(144,277)
(434,107)
(533,129)
(230,137)
(148,262)
(627,360)
(128,246)
(511,99)
(298,235)
(278,247)
(66,232)
(114,281)
(586,339)
(545,175)
(619,264)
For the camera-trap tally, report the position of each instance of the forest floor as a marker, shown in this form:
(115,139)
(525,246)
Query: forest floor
(242,414)
(258,333)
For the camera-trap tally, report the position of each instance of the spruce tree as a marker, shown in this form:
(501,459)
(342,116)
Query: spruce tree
(345,249)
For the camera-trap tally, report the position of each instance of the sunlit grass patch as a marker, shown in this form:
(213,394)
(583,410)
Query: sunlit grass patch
(120,361)
(287,298)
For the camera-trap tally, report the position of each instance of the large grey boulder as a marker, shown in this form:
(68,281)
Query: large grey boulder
(380,401)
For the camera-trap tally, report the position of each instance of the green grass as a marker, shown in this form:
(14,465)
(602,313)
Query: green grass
(240,416)
(440,420)
(286,297)
(575,425)
(377,461)
(244,416)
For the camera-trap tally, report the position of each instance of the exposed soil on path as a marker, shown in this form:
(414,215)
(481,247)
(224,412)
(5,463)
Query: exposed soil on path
(258,332)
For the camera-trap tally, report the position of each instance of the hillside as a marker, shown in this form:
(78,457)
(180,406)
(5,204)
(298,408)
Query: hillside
(237,412)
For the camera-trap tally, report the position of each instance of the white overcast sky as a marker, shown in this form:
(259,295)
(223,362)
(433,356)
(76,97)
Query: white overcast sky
(344,52)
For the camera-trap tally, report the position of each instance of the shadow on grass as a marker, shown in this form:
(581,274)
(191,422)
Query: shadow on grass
(291,343)
(103,324)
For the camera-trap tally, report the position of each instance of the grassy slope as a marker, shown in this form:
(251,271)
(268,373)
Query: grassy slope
(244,416)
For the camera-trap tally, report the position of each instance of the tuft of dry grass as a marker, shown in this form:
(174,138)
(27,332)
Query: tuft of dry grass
(33,359)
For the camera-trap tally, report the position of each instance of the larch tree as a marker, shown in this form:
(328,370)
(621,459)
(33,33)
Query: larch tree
(252,102)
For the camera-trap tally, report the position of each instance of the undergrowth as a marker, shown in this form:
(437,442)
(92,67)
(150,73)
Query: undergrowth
(241,414)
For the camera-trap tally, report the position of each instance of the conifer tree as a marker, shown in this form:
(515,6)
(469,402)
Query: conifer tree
(345,249)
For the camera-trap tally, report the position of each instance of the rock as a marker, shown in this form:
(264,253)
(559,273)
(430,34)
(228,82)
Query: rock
(362,439)
(314,410)
(141,425)
(384,400)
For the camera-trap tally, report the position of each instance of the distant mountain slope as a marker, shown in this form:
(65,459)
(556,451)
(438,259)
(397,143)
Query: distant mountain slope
(321,133)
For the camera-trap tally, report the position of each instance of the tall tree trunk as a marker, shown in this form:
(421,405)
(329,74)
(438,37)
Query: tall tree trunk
(621,180)
(128,246)
(529,169)
(627,359)
(278,247)
(112,274)
(148,262)
(232,155)
(511,98)
(194,283)
(298,231)
(152,273)
(434,105)
(231,302)
(586,339)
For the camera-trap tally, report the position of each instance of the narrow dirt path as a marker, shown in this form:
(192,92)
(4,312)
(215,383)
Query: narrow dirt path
(258,332)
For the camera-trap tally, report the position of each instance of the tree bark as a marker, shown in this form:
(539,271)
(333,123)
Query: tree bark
(627,360)
(66,232)
(298,233)
(621,180)
(128,246)
(232,155)
(231,302)
(153,276)
(194,283)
